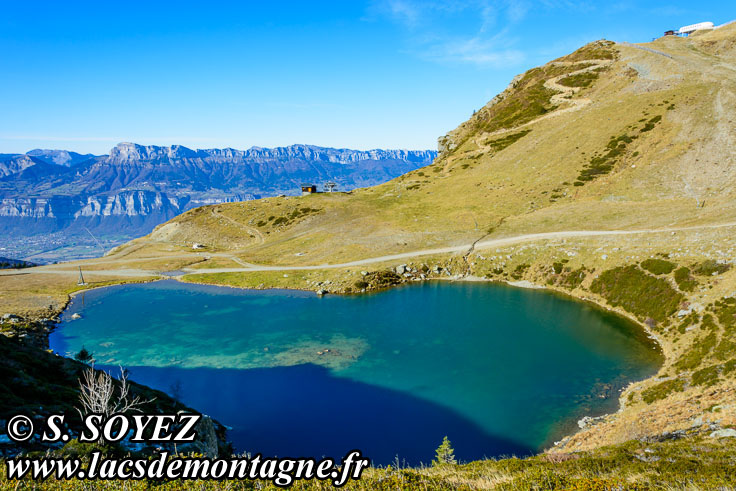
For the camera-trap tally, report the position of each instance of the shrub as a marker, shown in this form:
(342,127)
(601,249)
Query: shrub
(726,349)
(501,143)
(662,390)
(710,267)
(649,125)
(725,310)
(658,266)
(573,279)
(519,271)
(360,284)
(603,163)
(684,281)
(688,321)
(382,279)
(700,349)
(84,356)
(638,292)
(580,80)
(707,376)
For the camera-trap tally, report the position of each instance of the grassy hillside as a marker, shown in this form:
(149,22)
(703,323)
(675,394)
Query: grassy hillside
(635,129)
(607,174)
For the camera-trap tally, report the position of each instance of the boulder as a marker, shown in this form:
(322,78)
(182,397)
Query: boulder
(206,442)
(724,433)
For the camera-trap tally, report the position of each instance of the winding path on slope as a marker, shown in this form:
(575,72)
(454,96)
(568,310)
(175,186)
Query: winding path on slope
(563,97)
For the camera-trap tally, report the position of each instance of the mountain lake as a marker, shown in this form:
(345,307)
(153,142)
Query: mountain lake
(499,370)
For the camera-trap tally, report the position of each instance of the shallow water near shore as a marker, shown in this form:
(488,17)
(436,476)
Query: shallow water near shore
(499,370)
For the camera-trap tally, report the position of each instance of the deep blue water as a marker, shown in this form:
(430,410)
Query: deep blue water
(499,370)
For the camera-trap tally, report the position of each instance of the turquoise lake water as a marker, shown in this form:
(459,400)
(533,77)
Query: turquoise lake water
(499,370)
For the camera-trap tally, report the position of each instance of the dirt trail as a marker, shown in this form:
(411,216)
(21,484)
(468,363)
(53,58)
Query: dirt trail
(644,48)
(70,269)
(465,247)
(563,98)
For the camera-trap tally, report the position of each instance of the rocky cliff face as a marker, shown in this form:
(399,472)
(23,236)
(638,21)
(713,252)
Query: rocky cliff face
(136,187)
(135,153)
(13,164)
(60,157)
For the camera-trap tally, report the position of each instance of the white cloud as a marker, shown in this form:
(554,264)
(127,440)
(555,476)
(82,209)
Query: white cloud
(476,32)
(438,30)
(476,51)
(404,11)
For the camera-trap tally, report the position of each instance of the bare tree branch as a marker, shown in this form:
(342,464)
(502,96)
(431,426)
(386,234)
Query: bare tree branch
(98,396)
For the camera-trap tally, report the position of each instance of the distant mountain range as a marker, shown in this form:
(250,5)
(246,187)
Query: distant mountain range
(135,187)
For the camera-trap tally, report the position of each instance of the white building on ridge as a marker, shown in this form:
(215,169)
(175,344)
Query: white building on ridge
(700,26)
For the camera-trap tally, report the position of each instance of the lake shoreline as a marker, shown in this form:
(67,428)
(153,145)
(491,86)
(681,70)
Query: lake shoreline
(458,278)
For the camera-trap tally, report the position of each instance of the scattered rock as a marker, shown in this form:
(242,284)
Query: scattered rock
(589,421)
(525,284)
(76,316)
(724,433)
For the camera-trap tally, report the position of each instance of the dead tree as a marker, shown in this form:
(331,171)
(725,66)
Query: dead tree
(98,394)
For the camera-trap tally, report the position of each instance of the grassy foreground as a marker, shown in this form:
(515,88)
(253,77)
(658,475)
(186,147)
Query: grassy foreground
(692,463)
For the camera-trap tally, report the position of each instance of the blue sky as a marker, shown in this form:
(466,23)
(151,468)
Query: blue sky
(379,74)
